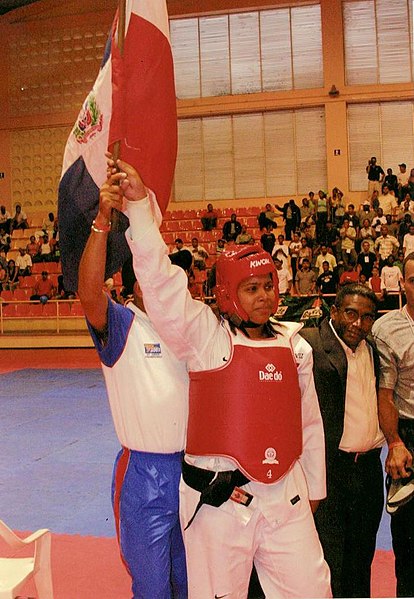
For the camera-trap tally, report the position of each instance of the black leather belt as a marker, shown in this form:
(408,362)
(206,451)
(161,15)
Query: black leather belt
(215,487)
(356,456)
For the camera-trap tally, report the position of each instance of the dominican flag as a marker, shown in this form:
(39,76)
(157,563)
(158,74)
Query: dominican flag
(132,102)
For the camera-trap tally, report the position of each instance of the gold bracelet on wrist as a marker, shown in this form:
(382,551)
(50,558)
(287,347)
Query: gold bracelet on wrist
(101,228)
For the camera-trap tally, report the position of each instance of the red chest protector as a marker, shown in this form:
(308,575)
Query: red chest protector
(249,410)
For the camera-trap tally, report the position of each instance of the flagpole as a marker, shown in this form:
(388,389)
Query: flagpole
(121,44)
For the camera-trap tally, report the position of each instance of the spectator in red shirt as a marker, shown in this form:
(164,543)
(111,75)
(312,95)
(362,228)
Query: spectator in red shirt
(209,218)
(375,283)
(32,249)
(350,275)
(44,289)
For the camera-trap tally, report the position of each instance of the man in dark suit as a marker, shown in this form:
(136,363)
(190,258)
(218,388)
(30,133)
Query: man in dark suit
(291,216)
(346,368)
(231,228)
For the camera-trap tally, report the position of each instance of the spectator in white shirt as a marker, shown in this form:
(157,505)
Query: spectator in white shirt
(24,263)
(402,178)
(325,256)
(391,281)
(391,275)
(379,220)
(280,250)
(408,241)
(284,277)
(200,255)
(387,201)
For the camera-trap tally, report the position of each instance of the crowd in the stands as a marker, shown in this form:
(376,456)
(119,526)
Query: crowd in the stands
(317,246)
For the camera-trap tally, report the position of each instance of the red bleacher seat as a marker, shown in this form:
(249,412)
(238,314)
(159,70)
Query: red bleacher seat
(7,294)
(35,310)
(50,267)
(64,309)
(27,282)
(196,225)
(242,211)
(54,279)
(77,310)
(251,221)
(190,214)
(169,238)
(49,309)
(36,220)
(16,244)
(23,310)
(179,225)
(9,311)
(20,294)
(205,236)
(171,226)
(252,211)
(38,267)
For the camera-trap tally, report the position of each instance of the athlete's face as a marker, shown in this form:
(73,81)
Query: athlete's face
(257,297)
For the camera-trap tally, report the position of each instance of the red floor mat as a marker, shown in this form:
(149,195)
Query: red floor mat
(16,359)
(86,567)
(83,568)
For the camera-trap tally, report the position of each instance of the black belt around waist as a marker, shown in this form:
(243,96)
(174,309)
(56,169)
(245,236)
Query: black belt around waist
(215,487)
(356,456)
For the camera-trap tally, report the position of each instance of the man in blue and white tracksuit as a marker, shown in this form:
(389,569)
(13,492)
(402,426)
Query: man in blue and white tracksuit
(148,394)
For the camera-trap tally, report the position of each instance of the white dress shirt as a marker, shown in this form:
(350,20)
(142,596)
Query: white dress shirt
(361,425)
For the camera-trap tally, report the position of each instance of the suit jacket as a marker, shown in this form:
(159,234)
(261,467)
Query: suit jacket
(296,217)
(227,229)
(330,368)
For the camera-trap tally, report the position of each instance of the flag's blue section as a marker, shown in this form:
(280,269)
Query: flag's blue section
(107,51)
(78,206)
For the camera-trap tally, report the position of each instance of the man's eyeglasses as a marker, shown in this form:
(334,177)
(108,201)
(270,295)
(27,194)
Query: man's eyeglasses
(352,315)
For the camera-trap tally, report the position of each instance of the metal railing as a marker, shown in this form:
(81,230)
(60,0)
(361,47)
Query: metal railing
(61,313)
(43,314)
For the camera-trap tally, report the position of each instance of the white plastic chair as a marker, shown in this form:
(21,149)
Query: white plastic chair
(15,571)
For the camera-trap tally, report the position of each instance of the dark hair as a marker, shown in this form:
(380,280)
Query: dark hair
(356,289)
(408,258)
(179,240)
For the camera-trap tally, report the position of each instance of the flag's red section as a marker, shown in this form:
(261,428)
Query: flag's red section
(144,113)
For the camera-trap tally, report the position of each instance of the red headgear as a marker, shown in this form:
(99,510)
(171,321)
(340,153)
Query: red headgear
(235,265)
